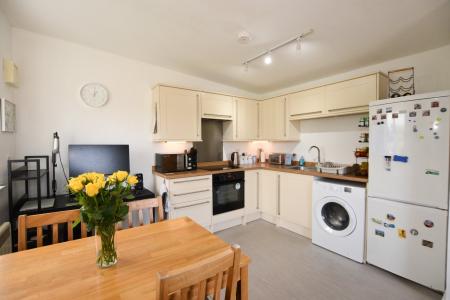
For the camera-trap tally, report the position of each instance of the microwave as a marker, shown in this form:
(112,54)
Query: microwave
(168,163)
(277,158)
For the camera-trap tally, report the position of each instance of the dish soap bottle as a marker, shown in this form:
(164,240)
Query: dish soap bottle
(302,161)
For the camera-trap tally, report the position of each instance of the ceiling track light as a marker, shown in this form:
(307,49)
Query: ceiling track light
(267,54)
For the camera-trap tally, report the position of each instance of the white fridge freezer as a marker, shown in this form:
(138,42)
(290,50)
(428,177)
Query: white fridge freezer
(406,246)
(409,150)
(408,189)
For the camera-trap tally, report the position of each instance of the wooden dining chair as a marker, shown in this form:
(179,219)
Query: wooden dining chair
(202,279)
(52,219)
(147,211)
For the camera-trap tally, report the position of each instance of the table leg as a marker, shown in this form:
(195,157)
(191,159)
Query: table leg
(243,284)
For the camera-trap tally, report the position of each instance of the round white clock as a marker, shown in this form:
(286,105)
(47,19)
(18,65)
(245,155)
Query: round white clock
(94,94)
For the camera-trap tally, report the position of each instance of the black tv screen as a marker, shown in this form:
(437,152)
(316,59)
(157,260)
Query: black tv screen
(104,159)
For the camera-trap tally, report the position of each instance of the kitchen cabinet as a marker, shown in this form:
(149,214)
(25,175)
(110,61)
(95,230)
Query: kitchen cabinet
(245,125)
(353,96)
(274,122)
(295,203)
(190,196)
(342,98)
(216,106)
(269,195)
(176,114)
(306,104)
(252,195)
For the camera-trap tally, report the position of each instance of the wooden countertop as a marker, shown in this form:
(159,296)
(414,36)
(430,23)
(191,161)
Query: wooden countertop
(262,166)
(68,270)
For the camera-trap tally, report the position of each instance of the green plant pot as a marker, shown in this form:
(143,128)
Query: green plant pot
(105,245)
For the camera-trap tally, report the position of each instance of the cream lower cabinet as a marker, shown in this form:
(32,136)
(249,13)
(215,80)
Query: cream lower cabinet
(190,197)
(252,195)
(176,114)
(274,122)
(269,195)
(295,203)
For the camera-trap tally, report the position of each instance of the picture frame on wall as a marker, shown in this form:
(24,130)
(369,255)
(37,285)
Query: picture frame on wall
(7,116)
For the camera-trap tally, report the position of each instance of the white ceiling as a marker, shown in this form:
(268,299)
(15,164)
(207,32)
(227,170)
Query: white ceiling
(200,37)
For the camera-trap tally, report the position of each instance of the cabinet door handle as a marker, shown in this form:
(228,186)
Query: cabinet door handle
(278,200)
(217,115)
(190,205)
(199,113)
(258,112)
(237,124)
(190,193)
(284,118)
(349,108)
(307,113)
(257,190)
(191,180)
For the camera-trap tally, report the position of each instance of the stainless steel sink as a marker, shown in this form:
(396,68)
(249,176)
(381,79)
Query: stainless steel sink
(303,168)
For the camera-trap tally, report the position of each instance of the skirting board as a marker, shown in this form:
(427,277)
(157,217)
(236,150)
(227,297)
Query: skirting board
(306,232)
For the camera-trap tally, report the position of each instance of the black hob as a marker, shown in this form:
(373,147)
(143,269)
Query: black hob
(217,168)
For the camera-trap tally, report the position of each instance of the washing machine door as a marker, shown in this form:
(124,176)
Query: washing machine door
(335,216)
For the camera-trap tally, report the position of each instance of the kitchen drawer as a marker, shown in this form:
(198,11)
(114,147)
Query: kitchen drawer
(176,198)
(190,185)
(200,211)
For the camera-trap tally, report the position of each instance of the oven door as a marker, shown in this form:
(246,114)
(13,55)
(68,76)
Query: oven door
(228,196)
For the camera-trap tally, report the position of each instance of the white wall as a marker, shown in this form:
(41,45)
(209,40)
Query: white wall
(52,72)
(7,140)
(338,137)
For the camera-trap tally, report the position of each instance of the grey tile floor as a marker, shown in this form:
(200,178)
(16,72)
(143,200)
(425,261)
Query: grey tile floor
(288,266)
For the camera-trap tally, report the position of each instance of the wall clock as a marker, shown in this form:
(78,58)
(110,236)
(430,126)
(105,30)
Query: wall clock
(94,94)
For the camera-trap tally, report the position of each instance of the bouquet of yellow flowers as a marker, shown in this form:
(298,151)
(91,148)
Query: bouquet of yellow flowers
(102,206)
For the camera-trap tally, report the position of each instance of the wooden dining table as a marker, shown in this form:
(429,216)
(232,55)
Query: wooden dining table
(68,270)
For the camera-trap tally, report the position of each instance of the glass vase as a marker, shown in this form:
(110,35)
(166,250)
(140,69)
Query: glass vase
(105,245)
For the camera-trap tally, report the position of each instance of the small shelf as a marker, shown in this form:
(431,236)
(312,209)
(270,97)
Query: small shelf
(24,174)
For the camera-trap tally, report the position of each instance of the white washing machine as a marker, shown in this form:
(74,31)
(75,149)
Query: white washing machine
(338,217)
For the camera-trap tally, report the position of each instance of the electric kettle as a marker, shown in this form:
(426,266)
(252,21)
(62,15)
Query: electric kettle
(235,159)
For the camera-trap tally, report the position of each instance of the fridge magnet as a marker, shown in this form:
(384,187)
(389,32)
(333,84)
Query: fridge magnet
(7,116)
(379,232)
(412,114)
(374,117)
(401,82)
(388,225)
(417,106)
(415,128)
(390,217)
(426,113)
(421,137)
(388,110)
(428,244)
(431,172)
(435,104)
(377,221)
(395,116)
(438,120)
(436,137)
(401,233)
(414,232)
(428,224)
(383,117)
(443,109)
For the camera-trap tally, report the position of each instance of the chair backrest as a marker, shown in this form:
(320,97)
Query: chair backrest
(202,278)
(53,219)
(146,211)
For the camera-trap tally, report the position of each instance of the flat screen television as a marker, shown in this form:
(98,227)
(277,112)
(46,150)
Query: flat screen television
(104,159)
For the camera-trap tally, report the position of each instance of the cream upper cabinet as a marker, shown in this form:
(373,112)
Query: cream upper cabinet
(306,104)
(216,106)
(296,202)
(353,96)
(274,122)
(244,126)
(246,119)
(176,114)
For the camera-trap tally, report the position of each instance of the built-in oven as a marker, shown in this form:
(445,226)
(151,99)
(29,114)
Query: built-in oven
(228,192)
